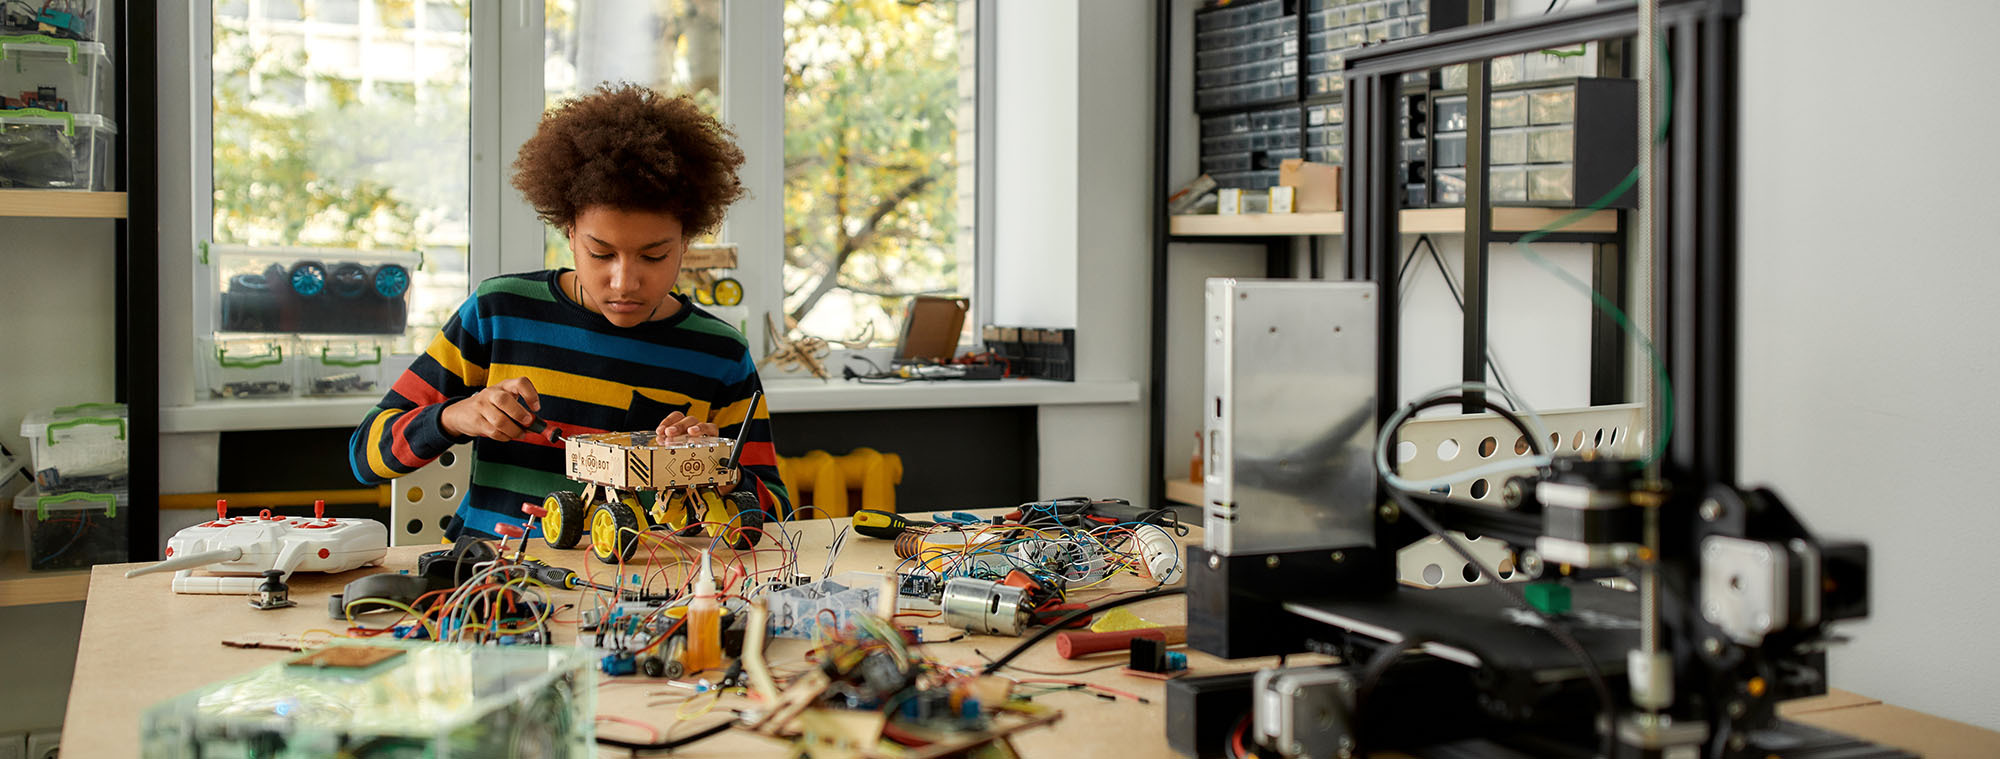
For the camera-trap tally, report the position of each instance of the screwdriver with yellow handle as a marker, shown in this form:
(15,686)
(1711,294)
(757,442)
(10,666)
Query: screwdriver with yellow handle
(882,524)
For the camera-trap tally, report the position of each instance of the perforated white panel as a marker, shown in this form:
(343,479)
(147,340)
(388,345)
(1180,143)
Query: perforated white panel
(1440,446)
(422,500)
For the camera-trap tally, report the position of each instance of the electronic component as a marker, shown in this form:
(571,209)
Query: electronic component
(985,606)
(1150,656)
(1305,711)
(236,551)
(388,700)
(273,594)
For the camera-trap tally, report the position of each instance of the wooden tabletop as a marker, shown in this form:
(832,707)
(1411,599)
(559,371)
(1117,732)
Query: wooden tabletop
(143,644)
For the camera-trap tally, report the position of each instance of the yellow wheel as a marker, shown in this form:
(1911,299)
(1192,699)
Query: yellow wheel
(563,527)
(670,510)
(631,501)
(724,513)
(614,532)
(728,292)
(704,296)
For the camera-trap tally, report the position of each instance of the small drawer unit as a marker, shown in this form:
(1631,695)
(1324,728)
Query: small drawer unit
(1246,54)
(1243,150)
(73,530)
(248,368)
(80,447)
(1562,145)
(56,150)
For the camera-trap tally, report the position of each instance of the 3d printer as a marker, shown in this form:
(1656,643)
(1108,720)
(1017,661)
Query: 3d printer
(1673,610)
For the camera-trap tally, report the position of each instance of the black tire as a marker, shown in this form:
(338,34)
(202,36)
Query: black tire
(613,532)
(749,513)
(564,526)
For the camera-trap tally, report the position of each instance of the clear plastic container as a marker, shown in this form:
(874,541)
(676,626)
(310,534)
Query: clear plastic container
(78,447)
(53,150)
(1379,31)
(1326,84)
(1508,146)
(1419,23)
(1450,187)
(1376,11)
(73,530)
(37,71)
(344,367)
(1510,109)
(1557,106)
(1551,184)
(1450,150)
(1329,155)
(1448,114)
(312,291)
(1231,124)
(1454,77)
(1556,144)
(78,21)
(237,369)
(1510,69)
(1211,164)
(1509,184)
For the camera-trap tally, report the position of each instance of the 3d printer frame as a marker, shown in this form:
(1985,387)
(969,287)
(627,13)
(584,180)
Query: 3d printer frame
(1487,685)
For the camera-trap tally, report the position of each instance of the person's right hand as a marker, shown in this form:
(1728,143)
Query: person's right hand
(499,412)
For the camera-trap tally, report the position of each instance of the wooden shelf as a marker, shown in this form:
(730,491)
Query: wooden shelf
(62,204)
(20,587)
(1181,491)
(1258,224)
(1429,221)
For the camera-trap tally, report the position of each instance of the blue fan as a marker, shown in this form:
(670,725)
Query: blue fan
(308,278)
(392,280)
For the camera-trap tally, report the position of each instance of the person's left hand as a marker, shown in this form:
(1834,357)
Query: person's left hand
(678,425)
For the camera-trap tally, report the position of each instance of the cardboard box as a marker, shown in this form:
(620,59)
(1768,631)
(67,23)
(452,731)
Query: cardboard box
(1316,186)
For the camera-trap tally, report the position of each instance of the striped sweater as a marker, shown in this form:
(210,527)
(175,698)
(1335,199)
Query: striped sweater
(592,376)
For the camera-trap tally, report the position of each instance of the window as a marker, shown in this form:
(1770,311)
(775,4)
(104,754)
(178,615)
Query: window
(673,47)
(879,102)
(316,143)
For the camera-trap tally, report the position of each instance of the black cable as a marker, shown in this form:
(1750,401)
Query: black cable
(669,744)
(1513,594)
(1060,624)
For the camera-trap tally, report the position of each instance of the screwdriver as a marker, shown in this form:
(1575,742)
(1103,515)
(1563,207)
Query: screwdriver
(884,525)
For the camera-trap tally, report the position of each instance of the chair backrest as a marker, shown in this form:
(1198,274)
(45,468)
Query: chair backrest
(424,500)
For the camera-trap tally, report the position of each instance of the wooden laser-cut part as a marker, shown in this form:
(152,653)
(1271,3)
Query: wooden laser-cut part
(347,657)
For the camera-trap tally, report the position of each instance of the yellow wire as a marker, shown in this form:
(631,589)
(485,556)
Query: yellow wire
(681,713)
(397,605)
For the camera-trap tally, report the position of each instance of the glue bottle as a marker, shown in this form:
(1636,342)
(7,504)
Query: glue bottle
(704,623)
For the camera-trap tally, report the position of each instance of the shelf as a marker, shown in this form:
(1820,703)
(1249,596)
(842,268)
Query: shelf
(1179,490)
(20,587)
(62,204)
(790,395)
(1429,221)
(1258,224)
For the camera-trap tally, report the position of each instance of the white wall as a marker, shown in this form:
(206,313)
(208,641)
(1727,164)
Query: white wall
(1868,340)
(1035,166)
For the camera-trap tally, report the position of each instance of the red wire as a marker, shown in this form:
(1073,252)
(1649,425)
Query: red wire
(1236,738)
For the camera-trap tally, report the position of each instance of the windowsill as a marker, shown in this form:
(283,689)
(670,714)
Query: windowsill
(787,395)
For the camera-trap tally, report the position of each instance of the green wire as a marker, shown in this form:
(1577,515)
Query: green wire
(1596,298)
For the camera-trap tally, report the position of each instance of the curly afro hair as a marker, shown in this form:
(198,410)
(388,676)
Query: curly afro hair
(630,148)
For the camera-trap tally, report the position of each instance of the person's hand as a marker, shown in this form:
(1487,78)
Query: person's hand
(679,425)
(500,412)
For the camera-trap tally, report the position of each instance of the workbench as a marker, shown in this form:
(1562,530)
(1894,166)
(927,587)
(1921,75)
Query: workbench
(142,644)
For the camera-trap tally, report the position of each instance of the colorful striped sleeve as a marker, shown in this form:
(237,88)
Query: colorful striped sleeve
(759,458)
(405,431)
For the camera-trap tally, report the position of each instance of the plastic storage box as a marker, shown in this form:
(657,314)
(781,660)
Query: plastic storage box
(73,530)
(312,291)
(54,150)
(247,368)
(71,20)
(80,447)
(337,367)
(381,699)
(55,75)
